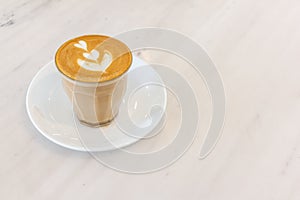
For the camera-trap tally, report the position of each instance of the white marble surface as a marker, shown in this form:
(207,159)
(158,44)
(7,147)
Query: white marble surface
(256,46)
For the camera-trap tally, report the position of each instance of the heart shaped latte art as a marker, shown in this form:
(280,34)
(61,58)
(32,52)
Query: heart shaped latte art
(93,55)
(96,66)
(93,64)
(81,44)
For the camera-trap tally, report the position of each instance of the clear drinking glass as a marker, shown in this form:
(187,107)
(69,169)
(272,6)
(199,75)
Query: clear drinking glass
(95,104)
(94,76)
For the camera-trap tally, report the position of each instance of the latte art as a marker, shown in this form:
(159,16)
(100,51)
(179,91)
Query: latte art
(92,63)
(81,44)
(93,58)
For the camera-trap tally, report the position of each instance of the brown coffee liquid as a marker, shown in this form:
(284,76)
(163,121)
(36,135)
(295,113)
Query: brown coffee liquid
(96,105)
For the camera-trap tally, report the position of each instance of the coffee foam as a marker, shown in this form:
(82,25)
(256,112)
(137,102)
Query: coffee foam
(93,58)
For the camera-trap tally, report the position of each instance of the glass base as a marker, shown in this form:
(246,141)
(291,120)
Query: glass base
(96,125)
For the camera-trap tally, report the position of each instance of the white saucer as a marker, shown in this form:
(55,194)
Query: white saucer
(50,110)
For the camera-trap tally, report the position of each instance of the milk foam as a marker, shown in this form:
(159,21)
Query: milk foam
(92,58)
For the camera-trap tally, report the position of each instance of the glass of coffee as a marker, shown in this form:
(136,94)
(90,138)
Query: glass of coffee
(94,69)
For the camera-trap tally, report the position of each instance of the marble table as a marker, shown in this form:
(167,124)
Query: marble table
(255,45)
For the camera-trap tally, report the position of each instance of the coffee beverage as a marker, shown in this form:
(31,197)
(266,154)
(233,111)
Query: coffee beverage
(94,76)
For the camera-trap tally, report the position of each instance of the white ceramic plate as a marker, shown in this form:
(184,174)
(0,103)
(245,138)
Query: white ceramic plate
(51,113)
